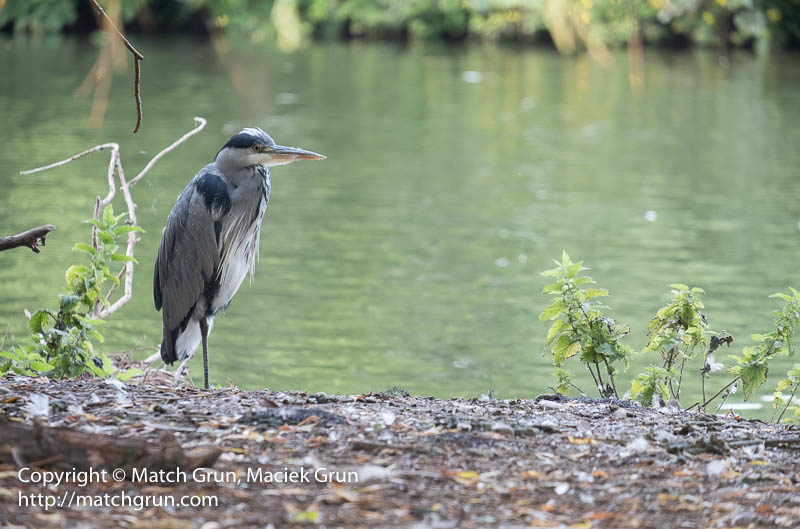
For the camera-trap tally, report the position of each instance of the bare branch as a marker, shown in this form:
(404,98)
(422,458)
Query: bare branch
(125,186)
(115,165)
(137,57)
(28,238)
(100,311)
(200,125)
(75,157)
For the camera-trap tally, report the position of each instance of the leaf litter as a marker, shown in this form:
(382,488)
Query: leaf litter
(418,462)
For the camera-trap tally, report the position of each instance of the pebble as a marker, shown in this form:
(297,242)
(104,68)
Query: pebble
(502,428)
(553,405)
(620,413)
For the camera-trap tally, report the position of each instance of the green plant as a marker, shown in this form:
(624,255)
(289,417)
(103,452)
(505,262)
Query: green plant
(653,382)
(792,380)
(675,332)
(580,328)
(751,367)
(61,341)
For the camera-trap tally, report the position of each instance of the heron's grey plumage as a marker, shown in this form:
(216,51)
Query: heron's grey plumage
(210,241)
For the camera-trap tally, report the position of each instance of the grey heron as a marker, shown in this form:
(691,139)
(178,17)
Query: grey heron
(210,241)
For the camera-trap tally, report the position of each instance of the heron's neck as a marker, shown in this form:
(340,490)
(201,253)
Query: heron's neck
(233,172)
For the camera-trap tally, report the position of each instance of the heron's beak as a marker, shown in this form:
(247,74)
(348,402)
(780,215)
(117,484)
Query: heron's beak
(290,154)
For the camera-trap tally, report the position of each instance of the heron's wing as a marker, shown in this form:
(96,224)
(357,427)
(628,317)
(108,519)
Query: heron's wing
(188,257)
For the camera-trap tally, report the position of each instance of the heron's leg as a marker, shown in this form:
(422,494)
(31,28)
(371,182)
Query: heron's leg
(204,335)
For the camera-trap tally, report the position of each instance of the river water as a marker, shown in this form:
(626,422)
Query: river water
(411,256)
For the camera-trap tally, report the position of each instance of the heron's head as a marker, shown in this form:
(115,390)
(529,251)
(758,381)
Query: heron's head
(253,146)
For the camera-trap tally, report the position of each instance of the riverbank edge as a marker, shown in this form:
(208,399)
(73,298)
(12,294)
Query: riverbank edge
(404,461)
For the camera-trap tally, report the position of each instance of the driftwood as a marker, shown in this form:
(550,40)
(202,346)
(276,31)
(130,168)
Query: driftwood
(30,238)
(69,448)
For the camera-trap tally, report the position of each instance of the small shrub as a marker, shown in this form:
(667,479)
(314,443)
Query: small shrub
(580,328)
(61,343)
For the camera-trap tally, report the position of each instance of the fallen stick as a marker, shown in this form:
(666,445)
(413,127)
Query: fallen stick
(30,238)
(71,448)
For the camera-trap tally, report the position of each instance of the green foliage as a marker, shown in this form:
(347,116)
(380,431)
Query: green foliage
(720,22)
(792,381)
(564,381)
(579,326)
(651,383)
(675,332)
(581,329)
(42,15)
(679,327)
(752,366)
(61,343)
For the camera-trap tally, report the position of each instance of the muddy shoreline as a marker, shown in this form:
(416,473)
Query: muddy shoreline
(392,460)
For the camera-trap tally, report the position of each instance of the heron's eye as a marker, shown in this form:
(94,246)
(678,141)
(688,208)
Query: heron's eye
(257,147)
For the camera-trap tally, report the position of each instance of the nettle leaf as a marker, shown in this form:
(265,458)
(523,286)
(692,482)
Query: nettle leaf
(68,302)
(105,237)
(553,272)
(679,286)
(573,349)
(554,330)
(122,230)
(75,273)
(105,366)
(554,288)
(563,381)
(781,295)
(573,270)
(752,377)
(38,321)
(96,335)
(129,374)
(41,366)
(559,350)
(83,247)
(108,215)
(784,384)
(555,309)
(124,258)
(119,217)
(595,292)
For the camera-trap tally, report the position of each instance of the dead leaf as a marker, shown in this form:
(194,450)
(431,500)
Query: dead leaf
(308,420)
(465,477)
(582,440)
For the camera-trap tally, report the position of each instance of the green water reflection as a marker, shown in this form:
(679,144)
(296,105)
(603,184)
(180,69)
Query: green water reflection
(410,256)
